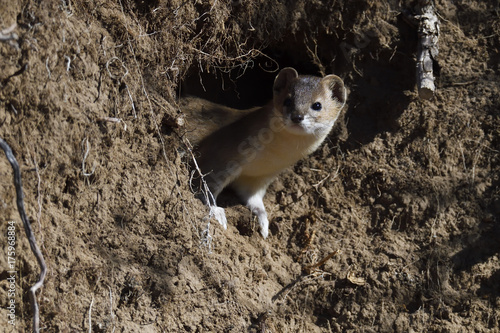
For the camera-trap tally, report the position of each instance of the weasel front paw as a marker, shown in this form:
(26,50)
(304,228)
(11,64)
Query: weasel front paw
(220,215)
(264,231)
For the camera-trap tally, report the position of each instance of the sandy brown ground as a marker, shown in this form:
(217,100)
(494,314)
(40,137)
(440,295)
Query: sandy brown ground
(404,196)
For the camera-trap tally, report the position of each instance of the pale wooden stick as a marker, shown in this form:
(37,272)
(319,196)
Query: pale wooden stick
(427,50)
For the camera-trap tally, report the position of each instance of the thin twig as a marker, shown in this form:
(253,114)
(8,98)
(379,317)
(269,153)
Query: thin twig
(68,63)
(311,268)
(283,293)
(131,101)
(90,314)
(47,66)
(29,233)
(85,155)
(114,120)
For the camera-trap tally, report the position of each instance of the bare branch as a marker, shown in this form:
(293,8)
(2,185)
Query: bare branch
(427,51)
(29,233)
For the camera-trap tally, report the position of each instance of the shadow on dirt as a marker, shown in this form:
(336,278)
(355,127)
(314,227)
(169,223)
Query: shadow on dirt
(484,246)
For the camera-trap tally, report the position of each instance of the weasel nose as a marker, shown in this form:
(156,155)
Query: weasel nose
(297,118)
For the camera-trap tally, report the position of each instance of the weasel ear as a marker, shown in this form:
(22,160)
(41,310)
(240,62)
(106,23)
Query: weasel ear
(283,79)
(336,86)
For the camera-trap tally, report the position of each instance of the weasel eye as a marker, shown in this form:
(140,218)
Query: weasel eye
(287,102)
(316,106)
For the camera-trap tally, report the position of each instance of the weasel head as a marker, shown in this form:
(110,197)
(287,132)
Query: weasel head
(308,105)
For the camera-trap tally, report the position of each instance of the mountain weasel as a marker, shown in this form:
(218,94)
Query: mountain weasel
(247,149)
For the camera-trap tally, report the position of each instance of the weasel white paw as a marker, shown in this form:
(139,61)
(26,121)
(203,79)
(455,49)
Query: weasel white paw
(219,214)
(256,205)
(264,224)
(264,230)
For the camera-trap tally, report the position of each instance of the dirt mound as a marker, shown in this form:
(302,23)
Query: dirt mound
(391,226)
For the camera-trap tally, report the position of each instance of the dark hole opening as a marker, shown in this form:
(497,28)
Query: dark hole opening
(243,86)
